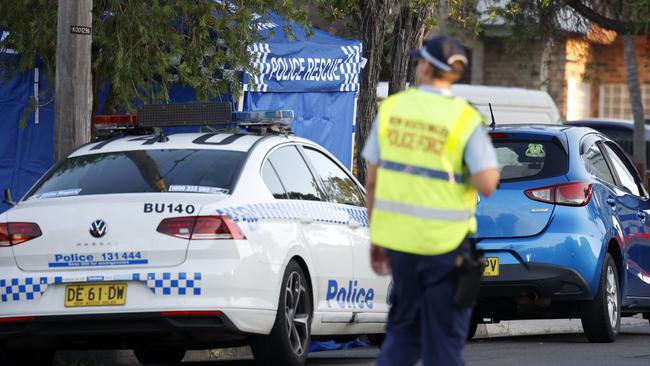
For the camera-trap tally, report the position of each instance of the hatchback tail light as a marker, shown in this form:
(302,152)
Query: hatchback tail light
(201,228)
(14,233)
(567,194)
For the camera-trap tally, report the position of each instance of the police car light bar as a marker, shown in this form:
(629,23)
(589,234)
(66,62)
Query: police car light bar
(151,116)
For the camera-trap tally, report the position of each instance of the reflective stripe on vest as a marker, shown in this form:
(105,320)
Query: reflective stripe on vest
(423,172)
(422,203)
(423,212)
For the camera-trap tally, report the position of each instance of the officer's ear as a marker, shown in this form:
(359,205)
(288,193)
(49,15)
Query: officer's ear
(457,69)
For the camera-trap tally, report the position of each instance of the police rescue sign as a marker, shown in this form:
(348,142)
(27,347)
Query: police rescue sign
(297,66)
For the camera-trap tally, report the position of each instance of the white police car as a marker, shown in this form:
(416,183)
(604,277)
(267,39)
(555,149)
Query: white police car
(188,241)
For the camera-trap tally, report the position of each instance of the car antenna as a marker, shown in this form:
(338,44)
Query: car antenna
(493,125)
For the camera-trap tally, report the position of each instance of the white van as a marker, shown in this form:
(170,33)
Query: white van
(509,105)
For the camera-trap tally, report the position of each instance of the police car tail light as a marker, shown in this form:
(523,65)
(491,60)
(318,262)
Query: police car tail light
(180,227)
(566,194)
(216,227)
(201,228)
(14,233)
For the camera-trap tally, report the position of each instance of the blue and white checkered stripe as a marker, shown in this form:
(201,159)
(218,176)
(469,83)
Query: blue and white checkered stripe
(179,283)
(294,210)
(259,53)
(160,283)
(351,68)
(20,289)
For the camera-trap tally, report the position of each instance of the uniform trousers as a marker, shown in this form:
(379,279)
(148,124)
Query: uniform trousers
(423,322)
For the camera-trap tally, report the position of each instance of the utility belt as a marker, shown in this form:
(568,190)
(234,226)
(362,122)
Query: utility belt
(468,273)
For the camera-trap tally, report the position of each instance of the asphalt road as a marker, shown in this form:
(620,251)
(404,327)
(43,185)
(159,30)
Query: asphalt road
(631,348)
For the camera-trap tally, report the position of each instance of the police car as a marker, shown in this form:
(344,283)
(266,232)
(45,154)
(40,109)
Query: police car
(188,241)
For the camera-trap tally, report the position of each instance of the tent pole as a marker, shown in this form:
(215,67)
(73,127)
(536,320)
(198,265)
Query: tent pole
(354,129)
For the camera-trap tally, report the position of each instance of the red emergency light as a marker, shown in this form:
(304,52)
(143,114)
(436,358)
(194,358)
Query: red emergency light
(115,121)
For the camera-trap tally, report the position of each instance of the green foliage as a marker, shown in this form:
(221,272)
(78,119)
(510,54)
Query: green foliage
(530,21)
(141,48)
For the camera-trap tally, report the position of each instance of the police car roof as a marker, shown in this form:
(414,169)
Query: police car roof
(213,141)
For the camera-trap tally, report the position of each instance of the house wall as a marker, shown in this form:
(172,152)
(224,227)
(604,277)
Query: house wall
(541,66)
(607,69)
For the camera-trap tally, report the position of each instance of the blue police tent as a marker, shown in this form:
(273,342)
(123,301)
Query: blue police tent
(316,76)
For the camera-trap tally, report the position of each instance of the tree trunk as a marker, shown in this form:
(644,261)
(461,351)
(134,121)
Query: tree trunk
(632,73)
(374,18)
(407,34)
(73,82)
(443,14)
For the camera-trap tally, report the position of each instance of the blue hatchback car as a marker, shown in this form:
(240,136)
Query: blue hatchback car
(567,233)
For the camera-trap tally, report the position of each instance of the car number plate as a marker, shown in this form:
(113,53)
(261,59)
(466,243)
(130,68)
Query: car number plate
(109,294)
(491,267)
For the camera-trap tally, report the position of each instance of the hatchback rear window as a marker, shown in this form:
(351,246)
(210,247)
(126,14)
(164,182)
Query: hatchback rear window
(174,170)
(529,159)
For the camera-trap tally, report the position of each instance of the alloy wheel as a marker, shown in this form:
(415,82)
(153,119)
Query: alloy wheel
(612,297)
(297,313)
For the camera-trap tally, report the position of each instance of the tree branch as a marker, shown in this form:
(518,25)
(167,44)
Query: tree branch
(601,20)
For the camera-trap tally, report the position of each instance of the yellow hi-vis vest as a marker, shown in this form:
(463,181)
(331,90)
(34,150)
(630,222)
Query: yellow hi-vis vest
(423,205)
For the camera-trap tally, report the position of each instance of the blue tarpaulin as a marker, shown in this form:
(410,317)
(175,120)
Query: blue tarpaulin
(25,152)
(325,118)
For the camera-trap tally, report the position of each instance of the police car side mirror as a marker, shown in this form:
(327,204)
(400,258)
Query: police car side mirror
(8,200)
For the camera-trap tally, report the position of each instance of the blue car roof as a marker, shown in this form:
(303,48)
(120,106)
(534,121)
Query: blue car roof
(566,134)
(548,130)
(615,123)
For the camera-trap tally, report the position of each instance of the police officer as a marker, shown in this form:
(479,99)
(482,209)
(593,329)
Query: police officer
(428,154)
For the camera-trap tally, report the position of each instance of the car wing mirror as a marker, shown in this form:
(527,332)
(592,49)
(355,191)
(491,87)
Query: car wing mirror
(8,199)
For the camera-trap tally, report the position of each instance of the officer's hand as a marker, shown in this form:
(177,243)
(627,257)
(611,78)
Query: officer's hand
(379,260)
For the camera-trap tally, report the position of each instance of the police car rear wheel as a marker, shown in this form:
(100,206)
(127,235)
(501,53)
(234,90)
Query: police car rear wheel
(148,356)
(288,343)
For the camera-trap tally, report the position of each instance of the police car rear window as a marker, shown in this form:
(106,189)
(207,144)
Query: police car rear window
(139,171)
(529,159)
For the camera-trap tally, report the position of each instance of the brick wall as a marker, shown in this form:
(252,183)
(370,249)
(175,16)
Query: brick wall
(532,69)
(607,66)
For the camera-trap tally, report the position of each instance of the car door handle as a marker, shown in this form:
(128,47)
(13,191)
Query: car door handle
(354,224)
(611,201)
(306,220)
(641,214)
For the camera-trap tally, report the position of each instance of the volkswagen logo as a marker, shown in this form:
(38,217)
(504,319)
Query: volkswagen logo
(98,228)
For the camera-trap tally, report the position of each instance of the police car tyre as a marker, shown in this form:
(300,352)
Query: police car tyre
(26,357)
(149,356)
(601,317)
(288,342)
(377,339)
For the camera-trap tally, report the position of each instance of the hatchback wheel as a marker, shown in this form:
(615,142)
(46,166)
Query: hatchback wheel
(288,343)
(149,356)
(601,317)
